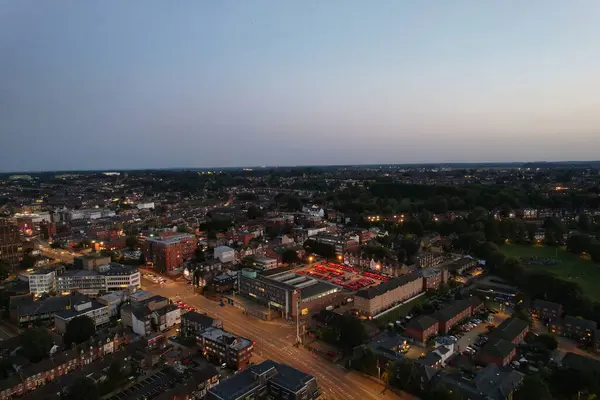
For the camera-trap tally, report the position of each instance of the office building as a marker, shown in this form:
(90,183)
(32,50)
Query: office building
(42,281)
(106,278)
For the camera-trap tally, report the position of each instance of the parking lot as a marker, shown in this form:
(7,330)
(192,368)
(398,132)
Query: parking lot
(469,338)
(349,278)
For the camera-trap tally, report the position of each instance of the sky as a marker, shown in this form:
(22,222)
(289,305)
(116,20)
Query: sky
(113,84)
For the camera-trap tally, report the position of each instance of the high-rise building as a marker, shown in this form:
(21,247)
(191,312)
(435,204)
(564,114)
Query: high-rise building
(10,243)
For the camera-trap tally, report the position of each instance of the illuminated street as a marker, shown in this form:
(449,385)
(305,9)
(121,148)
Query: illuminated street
(274,340)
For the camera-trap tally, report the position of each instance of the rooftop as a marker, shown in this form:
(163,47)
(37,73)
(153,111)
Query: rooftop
(422,323)
(584,323)
(449,312)
(498,347)
(219,335)
(510,329)
(72,312)
(279,374)
(372,292)
(198,318)
(171,239)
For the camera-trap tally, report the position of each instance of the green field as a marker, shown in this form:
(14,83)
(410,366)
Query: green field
(569,267)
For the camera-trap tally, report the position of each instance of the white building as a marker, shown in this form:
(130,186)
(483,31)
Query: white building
(90,213)
(42,281)
(145,206)
(90,308)
(107,278)
(263,263)
(166,317)
(225,254)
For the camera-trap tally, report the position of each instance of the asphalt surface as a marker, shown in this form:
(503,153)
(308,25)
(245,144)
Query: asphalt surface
(274,340)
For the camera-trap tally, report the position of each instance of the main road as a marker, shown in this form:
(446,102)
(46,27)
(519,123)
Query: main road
(274,340)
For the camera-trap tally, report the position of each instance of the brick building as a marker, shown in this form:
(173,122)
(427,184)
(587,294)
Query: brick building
(456,312)
(546,310)
(501,349)
(422,328)
(374,300)
(434,277)
(225,347)
(576,328)
(170,252)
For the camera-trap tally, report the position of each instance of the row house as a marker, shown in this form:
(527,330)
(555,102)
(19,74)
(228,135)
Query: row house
(457,312)
(422,328)
(501,349)
(59,364)
(576,328)
(546,310)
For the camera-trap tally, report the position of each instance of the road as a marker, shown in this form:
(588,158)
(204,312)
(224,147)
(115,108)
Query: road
(274,340)
(7,331)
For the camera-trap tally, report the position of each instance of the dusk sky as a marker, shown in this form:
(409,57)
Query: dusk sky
(156,84)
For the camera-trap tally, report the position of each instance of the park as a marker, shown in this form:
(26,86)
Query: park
(567,266)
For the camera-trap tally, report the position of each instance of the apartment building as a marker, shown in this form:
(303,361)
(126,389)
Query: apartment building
(422,328)
(170,252)
(546,310)
(225,347)
(10,242)
(373,300)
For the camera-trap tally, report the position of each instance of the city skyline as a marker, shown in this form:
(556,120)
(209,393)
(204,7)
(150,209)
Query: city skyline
(145,85)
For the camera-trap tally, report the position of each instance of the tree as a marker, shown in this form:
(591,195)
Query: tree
(131,242)
(533,387)
(83,388)
(4,270)
(578,243)
(548,341)
(366,362)
(352,332)
(289,256)
(28,261)
(79,329)
(36,343)
(441,394)
(254,212)
(199,254)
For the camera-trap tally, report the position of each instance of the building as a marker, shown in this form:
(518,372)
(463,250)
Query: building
(371,301)
(225,282)
(113,301)
(225,347)
(491,383)
(546,310)
(512,329)
(96,311)
(10,243)
(108,348)
(42,281)
(501,349)
(166,317)
(429,259)
(106,278)
(193,323)
(170,252)
(434,277)
(91,261)
(460,266)
(224,254)
(575,328)
(262,263)
(386,346)
(287,292)
(452,315)
(24,310)
(270,380)
(422,328)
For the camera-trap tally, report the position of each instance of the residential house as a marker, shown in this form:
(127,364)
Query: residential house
(422,328)
(575,328)
(546,310)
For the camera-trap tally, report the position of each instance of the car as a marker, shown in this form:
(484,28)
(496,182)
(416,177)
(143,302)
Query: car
(222,304)
(174,337)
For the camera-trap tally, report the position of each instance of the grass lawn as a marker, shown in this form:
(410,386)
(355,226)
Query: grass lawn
(400,312)
(569,267)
